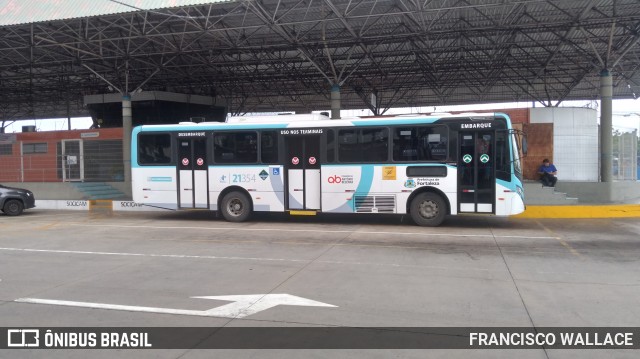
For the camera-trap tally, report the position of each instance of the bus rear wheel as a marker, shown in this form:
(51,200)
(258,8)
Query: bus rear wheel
(236,207)
(428,209)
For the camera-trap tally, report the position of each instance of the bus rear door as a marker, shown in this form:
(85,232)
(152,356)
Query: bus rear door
(193,180)
(303,172)
(476,172)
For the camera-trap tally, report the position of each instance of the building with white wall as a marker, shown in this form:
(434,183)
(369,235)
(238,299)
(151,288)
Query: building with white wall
(575,141)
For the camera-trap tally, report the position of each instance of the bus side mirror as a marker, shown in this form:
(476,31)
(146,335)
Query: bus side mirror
(524,144)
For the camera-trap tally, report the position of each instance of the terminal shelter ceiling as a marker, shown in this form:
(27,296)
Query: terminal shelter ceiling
(287,55)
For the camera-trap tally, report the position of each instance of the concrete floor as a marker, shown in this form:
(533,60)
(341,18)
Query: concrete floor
(378,271)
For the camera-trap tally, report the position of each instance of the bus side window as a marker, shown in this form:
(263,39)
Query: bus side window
(438,144)
(363,145)
(331,143)
(247,147)
(154,149)
(434,143)
(221,152)
(348,146)
(235,147)
(421,143)
(405,144)
(378,140)
(144,157)
(269,147)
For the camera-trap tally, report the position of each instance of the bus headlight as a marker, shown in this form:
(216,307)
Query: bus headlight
(520,192)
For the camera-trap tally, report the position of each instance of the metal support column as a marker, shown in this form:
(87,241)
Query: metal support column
(606,115)
(606,140)
(126,137)
(335,102)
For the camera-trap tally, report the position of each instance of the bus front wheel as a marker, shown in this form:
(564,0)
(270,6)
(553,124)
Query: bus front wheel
(428,209)
(236,207)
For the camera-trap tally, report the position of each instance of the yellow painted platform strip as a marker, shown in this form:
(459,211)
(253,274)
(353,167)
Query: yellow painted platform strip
(303,213)
(102,204)
(595,211)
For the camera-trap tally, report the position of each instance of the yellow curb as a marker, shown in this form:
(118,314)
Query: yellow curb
(100,204)
(603,211)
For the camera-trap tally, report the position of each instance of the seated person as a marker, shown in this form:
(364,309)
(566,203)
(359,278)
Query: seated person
(547,173)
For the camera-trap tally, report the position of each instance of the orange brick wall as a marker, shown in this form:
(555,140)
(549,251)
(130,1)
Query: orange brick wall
(540,141)
(42,167)
(518,115)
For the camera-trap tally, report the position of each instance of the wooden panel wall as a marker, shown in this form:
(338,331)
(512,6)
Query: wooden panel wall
(540,146)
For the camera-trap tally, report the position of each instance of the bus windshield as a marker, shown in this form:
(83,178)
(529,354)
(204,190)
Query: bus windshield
(517,166)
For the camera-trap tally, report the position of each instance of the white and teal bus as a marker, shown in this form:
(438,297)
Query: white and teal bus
(424,166)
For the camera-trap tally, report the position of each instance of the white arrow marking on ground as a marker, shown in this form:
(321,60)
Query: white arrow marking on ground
(243,305)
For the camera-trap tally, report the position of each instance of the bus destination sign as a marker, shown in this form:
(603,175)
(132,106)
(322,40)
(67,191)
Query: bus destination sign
(191,134)
(475,126)
(301,131)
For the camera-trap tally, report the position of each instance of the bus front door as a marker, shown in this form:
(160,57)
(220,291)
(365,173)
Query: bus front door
(193,180)
(476,172)
(303,172)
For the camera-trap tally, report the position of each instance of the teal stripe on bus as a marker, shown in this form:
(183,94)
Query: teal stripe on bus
(200,128)
(396,121)
(160,179)
(509,185)
(364,186)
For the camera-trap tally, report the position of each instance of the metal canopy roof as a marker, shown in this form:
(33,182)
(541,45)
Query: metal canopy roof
(273,55)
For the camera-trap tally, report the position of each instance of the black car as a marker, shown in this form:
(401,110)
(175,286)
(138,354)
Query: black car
(15,200)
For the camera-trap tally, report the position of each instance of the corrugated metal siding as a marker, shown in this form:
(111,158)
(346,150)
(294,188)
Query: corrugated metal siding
(14,12)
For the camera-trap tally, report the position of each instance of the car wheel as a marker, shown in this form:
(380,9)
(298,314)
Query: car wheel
(236,207)
(428,209)
(13,207)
